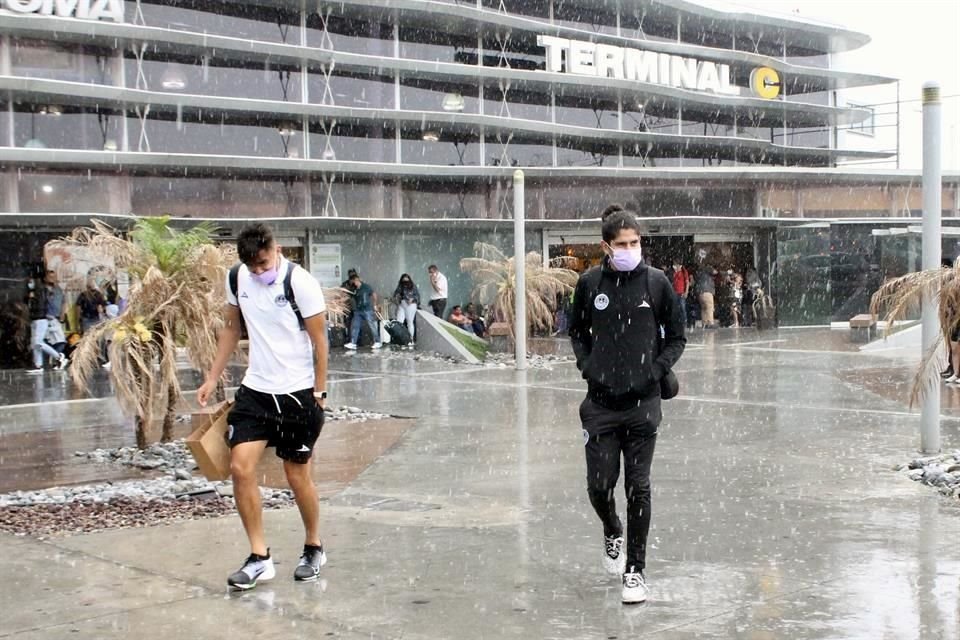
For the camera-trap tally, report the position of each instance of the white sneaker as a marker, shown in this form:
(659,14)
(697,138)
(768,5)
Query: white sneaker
(351,346)
(635,588)
(377,345)
(254,569)
(64,361)
(952,380)
(614,559)
(35,371)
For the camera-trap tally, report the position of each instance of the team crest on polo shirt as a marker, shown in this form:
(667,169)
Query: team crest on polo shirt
(601,302)
(280,300)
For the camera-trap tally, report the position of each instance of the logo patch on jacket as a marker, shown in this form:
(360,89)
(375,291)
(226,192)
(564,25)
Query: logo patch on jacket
(644,305)
(280,300)
(601,302)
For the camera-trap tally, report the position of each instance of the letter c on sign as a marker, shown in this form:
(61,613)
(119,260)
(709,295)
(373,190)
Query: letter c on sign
(765,82)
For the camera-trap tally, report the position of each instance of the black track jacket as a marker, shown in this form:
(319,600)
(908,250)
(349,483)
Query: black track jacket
(615,332)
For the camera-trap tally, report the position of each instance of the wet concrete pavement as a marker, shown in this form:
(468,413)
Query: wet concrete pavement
(775,515)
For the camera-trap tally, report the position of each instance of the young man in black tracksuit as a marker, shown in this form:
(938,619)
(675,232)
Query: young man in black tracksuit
(618,310)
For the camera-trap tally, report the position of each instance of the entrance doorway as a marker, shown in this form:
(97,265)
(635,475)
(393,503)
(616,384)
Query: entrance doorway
(700,254)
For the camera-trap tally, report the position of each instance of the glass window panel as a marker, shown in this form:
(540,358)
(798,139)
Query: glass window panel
(216,197)
(62,193)
(353,90)
(73,63)
(60,127)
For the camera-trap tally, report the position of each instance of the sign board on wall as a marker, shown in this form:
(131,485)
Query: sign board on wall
(83,9)
(585,58)
(325,264)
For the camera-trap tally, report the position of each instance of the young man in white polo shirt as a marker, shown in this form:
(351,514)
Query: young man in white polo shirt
(280,401)
(438,293)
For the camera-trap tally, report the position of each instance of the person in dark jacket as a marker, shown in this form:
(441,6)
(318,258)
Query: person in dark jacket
(407,298)
(48,309)
(618,310)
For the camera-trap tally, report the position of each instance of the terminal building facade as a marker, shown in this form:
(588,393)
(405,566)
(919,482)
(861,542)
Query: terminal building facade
(383,135)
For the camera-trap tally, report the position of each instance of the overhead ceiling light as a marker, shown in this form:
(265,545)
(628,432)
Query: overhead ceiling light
(110,145)
(430,136)
(173,80)
(51,110)
(329,154)
(33,143)
(453,102)
(287,129)
(47,188)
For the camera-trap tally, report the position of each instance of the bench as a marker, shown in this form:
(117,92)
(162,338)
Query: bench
(498,334)
(863,327)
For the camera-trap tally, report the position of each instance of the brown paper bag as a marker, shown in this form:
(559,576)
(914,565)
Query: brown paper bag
(208,442)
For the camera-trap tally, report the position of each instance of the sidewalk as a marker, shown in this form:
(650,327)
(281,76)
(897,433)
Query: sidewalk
(776,515)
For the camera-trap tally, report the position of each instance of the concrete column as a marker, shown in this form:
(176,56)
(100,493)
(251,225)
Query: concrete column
(307,190)
(11,201)
(397,199)
(758,203)
(119,194)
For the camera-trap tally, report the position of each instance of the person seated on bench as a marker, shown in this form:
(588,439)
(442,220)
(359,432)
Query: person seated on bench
(457,318)
(479,327)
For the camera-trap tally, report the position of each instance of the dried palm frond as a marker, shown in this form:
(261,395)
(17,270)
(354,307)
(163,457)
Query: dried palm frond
(901,298)
(176,300)
(336,299)
(494,278)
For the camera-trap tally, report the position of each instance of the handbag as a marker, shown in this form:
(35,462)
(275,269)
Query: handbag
(669,386)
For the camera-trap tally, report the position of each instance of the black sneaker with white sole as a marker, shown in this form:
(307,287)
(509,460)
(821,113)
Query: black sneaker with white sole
(311,560)
(255,569)
(614,558)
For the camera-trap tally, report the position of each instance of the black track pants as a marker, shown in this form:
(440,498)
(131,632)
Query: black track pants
(632,434)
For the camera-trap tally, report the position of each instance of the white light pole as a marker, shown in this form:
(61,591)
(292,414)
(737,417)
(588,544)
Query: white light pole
(520,272)
(930,415)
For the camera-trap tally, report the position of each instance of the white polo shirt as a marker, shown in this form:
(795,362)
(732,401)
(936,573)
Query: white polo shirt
(441,285)
(281,355)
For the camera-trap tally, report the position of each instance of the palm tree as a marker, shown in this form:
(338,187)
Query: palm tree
(901,299)
(176,299)
(494,281)
(177,296)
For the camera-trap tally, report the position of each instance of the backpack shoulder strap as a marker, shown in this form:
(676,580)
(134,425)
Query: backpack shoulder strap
(592,279)
(291,297)
(234,278)
(654,298)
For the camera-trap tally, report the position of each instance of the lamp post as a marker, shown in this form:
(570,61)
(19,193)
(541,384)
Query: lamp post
(930,414)
(520,273)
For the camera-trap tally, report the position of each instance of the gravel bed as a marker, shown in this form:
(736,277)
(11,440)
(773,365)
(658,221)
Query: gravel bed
(177,494)
(941,471)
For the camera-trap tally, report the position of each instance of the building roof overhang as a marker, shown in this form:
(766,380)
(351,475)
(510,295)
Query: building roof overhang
(451,127)
(247,167)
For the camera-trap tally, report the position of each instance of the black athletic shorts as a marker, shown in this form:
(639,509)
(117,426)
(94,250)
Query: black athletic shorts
(290,422)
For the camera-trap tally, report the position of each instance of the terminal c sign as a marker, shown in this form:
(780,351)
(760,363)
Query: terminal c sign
(85,9)
(607,61)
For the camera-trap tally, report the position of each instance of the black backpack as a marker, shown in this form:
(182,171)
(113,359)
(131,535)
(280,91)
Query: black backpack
(234,278)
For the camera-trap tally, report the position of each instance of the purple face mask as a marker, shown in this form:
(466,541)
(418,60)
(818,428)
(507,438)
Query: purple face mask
(626,259)
(267,277)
